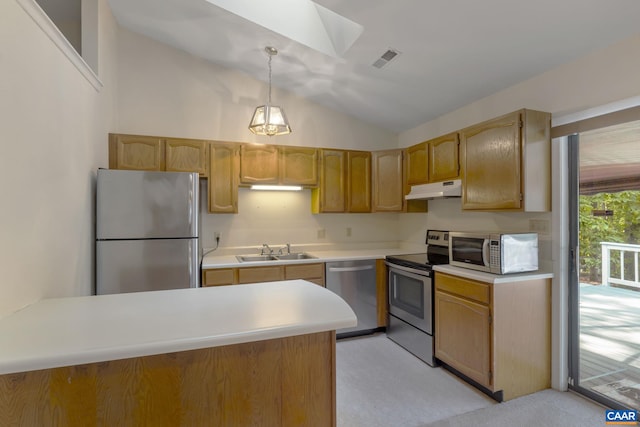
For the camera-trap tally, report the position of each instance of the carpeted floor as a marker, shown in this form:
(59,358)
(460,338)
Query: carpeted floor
(379,384)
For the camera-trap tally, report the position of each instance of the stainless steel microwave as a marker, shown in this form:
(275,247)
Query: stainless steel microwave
(494,253)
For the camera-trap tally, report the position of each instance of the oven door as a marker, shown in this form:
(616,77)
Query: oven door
(410,296)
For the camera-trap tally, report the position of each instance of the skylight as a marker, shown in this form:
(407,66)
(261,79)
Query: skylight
(302,21)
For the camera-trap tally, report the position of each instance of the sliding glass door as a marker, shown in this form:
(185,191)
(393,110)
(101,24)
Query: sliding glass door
(605,267)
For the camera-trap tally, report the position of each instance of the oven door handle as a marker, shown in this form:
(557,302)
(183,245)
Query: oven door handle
(341,269)
(407,269)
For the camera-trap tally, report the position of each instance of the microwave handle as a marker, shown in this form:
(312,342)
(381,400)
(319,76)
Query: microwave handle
(485,252)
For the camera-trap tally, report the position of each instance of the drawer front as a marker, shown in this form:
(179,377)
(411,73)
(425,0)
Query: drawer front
(218,277)
(471,289)
(260,274)
(304,271)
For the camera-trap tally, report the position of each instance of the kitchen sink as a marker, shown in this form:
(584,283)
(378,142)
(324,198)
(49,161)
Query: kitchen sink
(298,255)
(283,257)
(250,258)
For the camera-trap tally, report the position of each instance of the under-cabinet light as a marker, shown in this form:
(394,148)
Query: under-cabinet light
(277,187)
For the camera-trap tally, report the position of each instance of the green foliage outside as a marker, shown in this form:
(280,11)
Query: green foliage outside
(622,227)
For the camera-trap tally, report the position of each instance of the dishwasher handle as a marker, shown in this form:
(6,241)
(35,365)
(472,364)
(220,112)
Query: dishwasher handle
(341,269)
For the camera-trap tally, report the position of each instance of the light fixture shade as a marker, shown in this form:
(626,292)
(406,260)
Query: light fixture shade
(269,120)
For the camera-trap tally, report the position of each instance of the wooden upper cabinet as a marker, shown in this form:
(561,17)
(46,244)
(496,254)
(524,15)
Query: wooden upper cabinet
(417,164)
(444,159)
(186,155)
(223,177)
(506,163)
(358,181)
(136,152)
(388,186)
(330,196)
(258,164)
(298,166)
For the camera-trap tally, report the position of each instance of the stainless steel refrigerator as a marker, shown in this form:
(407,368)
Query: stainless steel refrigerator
(147,229)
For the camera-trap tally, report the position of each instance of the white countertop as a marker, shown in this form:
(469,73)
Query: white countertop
(70,331)
(493,278)
(229,261)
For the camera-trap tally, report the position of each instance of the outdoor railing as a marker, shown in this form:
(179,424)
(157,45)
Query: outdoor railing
(622,248)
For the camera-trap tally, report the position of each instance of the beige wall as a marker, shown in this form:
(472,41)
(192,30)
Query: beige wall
(54,126)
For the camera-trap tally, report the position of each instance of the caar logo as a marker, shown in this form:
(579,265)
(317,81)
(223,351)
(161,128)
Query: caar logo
(621,417)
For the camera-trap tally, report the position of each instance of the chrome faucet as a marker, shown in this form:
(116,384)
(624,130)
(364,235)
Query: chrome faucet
(288,249)
(265,246)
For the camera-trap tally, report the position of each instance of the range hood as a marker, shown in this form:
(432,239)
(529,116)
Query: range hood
(435,190)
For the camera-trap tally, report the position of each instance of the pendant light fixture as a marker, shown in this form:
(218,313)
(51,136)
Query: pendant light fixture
(269,119)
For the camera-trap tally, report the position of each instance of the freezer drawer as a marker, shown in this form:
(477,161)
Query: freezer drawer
(146,265)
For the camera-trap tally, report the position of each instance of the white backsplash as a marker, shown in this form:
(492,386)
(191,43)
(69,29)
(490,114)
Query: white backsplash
(277,218)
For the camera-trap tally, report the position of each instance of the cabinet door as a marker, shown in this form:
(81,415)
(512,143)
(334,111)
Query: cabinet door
(218,277)
(136,152)
(258,164)
(444,162)
(491,164)
(463,336)
(186,155)
(260,274)
(358,181)
(388,195)
(330,196)
(298,166)
(223,178)
(417,164)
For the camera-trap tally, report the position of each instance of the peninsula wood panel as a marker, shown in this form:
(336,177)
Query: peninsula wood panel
(280,382)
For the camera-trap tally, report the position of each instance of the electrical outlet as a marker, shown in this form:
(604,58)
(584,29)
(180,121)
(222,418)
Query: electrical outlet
(216,235)
(348,231)
(321,233)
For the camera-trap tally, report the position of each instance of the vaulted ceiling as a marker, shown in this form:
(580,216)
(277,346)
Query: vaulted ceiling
(451,52)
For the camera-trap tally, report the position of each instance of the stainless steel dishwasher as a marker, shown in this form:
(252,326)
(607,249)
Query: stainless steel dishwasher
(355,282)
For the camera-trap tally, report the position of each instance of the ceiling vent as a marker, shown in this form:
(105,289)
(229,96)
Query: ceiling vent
(386,58)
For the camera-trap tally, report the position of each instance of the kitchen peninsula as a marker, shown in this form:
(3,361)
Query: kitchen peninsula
(233,355)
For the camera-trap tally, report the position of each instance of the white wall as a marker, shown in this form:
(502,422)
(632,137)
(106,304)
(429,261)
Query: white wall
(54,125)
(167,92)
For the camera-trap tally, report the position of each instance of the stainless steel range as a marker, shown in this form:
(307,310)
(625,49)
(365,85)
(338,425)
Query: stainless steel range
(410,321)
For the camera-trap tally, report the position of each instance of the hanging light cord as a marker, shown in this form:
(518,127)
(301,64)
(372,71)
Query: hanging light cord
(270,56)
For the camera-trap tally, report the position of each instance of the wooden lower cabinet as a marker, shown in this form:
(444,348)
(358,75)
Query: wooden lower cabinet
(233,276)
(496,334)
(279,382)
